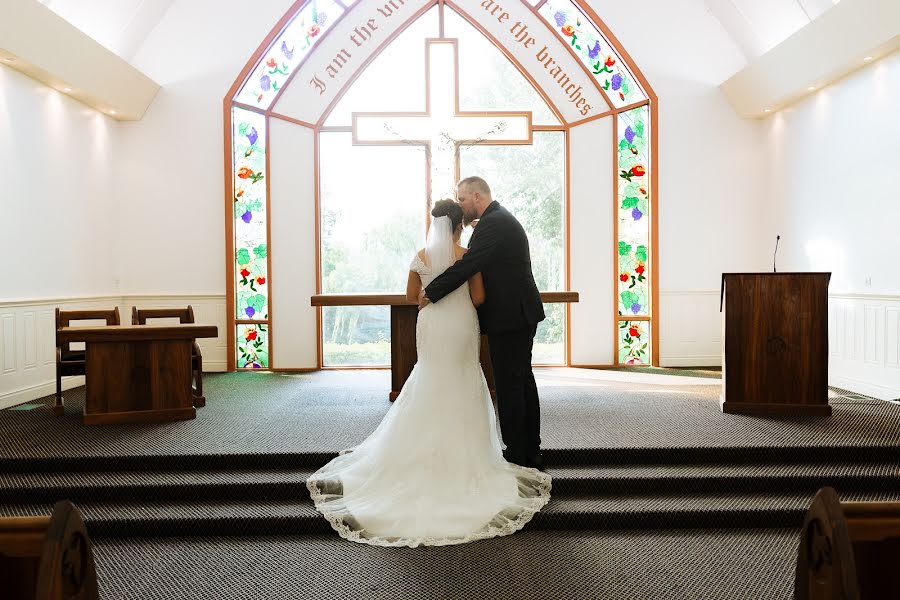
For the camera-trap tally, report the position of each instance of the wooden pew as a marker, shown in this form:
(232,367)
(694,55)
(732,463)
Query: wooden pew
(849,550)
(47,558)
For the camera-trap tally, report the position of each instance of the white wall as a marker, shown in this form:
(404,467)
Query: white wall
(710,163)
(59,205)
(834,165)
(171,162)
(834,171)
(711,166)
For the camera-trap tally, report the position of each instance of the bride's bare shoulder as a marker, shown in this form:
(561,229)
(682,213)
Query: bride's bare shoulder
(460,251)
(421,254)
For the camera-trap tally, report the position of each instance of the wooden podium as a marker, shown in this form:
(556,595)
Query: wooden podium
(775,343)
(137,373)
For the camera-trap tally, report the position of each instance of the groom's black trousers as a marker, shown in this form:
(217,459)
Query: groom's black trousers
(517,395)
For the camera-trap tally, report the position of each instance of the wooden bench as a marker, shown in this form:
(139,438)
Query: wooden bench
(849,550)
(47,558)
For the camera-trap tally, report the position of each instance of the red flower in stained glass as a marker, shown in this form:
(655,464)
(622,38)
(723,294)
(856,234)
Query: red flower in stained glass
(639,270)
(634,332)
(245,273)
(314,30)
(610,61)
(624,277)
(567,30)
(245,173)
(251,335)
(271,63)
(638,171)
(260,280)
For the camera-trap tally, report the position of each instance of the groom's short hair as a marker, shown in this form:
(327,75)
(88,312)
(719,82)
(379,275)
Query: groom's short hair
(476,184)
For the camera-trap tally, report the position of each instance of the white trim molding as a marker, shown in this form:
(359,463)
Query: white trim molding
(28,345)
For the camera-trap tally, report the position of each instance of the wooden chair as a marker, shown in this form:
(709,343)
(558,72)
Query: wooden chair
(848,550)
(47,558)
(68,361)
(184,315)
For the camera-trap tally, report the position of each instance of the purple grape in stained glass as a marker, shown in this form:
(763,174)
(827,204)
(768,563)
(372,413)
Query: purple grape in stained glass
(265,83)
(247,216)
(636,214)
(636,308)
(252,135)
(250,311)
(629,134)
(560,18)
(288,52)
(320,19)
(616,81)
(595,50)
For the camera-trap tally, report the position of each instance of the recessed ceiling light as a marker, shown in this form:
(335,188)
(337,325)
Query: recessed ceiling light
(112,112)
(67,89)
(811,88)
(868,58)
(768,110)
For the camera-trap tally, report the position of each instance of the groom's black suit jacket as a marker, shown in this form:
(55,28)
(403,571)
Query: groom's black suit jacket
(499,250)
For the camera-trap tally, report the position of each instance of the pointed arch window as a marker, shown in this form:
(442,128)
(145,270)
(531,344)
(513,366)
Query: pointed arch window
(383,124)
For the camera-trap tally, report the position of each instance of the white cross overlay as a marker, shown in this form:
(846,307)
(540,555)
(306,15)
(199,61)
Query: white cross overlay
(442,128)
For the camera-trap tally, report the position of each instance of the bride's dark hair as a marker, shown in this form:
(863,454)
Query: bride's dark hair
(448,208)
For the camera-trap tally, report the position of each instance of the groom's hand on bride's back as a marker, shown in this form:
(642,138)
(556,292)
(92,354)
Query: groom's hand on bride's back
(423,300)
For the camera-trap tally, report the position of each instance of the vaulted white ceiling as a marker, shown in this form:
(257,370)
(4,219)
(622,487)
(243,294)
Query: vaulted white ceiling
(757,26)
(119,25)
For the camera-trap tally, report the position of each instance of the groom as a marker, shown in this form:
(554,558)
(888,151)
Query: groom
(509,316)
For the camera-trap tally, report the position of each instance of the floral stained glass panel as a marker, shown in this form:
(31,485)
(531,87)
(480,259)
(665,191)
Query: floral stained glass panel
(633,211)
(286,53)
(253,346)
(250,236)
(634,342)
(601,59)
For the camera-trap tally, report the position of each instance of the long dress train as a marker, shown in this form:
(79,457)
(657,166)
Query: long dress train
(432,473)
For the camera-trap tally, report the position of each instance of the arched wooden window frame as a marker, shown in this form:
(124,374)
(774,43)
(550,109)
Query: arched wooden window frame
(230,102)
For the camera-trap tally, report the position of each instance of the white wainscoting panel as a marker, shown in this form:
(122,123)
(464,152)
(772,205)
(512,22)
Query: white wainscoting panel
(28,344)
(691,334)
(864,340)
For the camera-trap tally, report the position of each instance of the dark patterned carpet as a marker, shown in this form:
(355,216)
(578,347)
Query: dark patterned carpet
(657,494)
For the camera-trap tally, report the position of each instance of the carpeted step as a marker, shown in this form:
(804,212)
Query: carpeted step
(734,477)
(636,511)
(552,456)
(745,564)
(289,484)
(111,486)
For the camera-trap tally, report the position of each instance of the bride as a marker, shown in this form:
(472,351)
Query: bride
(433,473)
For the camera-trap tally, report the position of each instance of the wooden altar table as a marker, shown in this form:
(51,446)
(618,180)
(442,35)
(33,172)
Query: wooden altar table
(137,373)
(403,330)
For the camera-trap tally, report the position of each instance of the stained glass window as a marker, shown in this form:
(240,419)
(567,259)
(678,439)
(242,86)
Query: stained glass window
(634,342)
(633,212)
(253,346)
(250,236)
(601,59)
(282,58)
(369,234)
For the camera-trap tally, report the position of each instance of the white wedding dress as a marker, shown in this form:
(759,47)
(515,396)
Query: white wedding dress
(433,473)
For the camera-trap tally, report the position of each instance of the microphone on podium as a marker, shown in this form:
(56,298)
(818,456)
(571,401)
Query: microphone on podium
(777,237)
